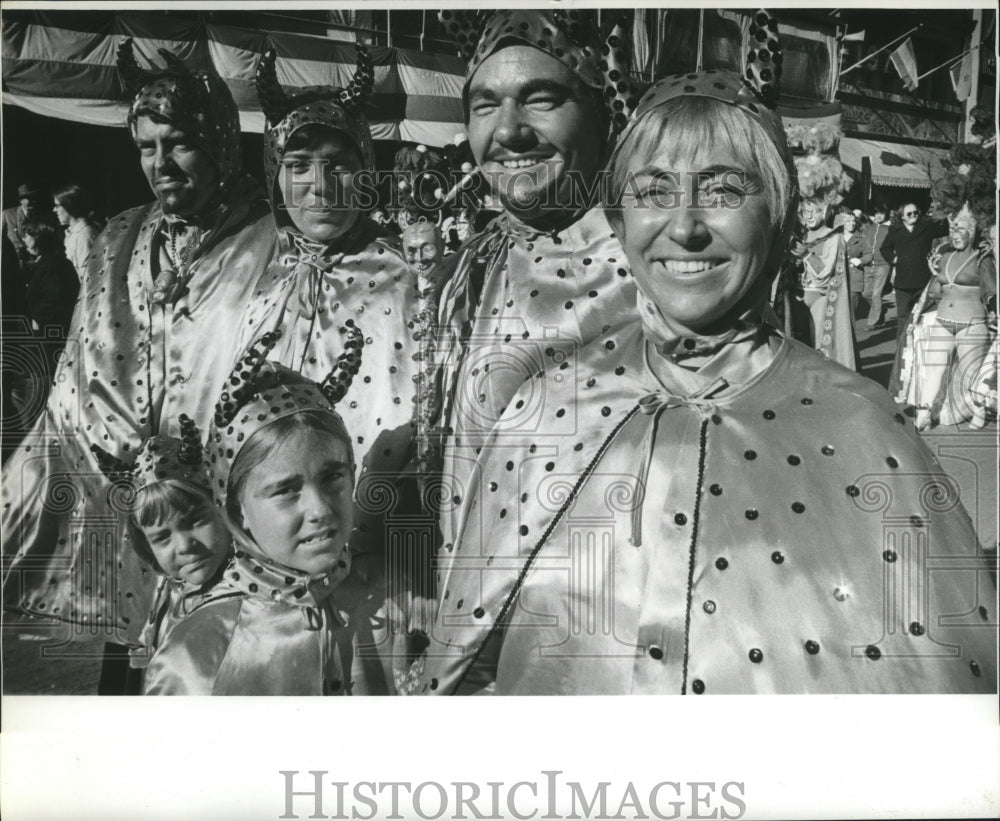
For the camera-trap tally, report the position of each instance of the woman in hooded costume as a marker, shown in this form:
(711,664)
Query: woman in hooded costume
(709,506)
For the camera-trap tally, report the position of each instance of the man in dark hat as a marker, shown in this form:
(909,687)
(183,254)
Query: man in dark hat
(151,338)
(542,106)
(31,207)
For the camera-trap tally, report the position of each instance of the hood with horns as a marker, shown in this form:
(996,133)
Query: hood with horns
(260,391)
(198,103)
(338,108)
(570,36)
(159,459)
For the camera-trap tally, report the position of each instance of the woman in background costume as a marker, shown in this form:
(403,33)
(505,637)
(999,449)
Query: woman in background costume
(820,250)
(953,324)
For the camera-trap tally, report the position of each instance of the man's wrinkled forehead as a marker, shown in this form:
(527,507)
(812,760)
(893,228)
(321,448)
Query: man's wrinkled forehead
(520,72)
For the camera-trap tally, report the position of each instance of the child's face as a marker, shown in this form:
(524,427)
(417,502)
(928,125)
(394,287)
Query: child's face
(297,504)
(191,545)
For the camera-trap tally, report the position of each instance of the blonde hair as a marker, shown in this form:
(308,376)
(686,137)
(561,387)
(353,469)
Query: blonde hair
(688,127)
(158,503)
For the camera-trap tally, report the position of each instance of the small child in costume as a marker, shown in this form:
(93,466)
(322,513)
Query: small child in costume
(183,537)
(293,615)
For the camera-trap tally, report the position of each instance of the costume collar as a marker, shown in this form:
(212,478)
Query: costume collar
(263,578)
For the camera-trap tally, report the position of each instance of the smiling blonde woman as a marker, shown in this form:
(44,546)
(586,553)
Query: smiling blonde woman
(703,506)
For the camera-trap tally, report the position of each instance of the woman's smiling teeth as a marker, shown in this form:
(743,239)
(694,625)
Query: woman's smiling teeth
(690,266)
(520,163)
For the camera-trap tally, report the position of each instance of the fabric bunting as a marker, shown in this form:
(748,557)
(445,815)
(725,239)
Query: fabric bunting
(63,65)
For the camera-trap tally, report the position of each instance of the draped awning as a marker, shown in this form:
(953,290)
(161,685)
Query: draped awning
(62,64)
(906,166)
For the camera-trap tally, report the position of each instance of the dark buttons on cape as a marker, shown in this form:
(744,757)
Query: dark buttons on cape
(777,557)
(709,607)
(892,462)
(680,519)
(852,491)
(916,628)
(697,686)
(812,647)
(794,460)
(974,667)
(751,513)
(655,652)
(722,563)
(768,414)
(479,612)
(715,490)
(756,655)
(873,652)
(889,556)
(750,455)
(827,450)
(798,507)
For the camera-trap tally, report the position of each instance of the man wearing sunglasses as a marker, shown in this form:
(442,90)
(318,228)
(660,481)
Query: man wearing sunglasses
(908,244)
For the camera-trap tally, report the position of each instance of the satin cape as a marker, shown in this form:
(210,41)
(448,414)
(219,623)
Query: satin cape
(130,368)
(790,535)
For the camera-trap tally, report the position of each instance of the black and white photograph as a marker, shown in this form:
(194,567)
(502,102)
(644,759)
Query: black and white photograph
(542,350)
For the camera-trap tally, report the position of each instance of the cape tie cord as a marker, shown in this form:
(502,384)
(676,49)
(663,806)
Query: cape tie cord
(570,498)
(695,520)
(654,404)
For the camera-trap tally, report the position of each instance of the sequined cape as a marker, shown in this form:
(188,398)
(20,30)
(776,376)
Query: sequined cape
(265,630)
(519,301)
(310,302)
(792,536)
(130,369)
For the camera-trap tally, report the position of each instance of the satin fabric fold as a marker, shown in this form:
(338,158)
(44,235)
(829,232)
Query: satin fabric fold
(131,367)
(774,518)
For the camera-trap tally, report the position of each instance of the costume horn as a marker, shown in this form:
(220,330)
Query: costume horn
(115,469)
(464,28)
(241,379)
(274,102)
(190,452)
(348,364)
(619,92)
(575,24)
(764,58)
(360,87)
(133,77)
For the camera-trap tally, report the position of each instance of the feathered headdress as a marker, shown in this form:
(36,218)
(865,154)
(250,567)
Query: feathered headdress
(822,178)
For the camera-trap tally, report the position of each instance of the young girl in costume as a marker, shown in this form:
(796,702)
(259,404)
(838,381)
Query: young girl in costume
(293,615)
(182,535)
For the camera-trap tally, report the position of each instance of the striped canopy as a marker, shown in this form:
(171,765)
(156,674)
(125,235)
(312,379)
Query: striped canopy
(62,64)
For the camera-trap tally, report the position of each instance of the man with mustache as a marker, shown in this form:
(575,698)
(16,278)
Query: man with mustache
(151,338)
(548,275)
